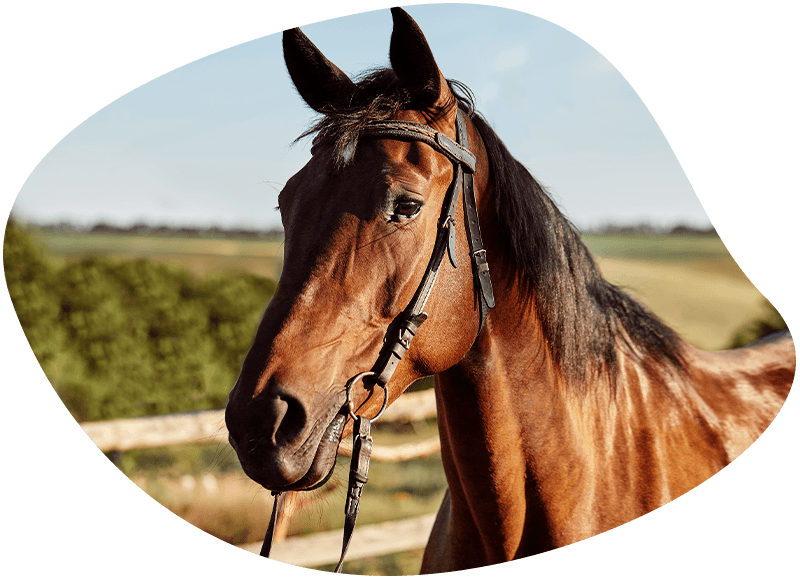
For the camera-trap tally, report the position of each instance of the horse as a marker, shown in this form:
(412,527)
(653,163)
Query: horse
(565,407)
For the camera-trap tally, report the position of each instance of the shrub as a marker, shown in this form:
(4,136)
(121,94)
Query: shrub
(128,338)
(769,322)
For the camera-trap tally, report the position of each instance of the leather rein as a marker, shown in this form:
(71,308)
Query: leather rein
(401,332)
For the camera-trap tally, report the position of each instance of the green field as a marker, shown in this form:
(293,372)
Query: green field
(201,256)
(691,282)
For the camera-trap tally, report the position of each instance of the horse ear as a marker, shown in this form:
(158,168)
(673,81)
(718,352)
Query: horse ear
(321,84)
(413,61)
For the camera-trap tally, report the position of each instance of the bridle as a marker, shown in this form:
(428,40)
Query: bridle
(402,331)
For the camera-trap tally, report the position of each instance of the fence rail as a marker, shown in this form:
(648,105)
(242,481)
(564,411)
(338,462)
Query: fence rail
(209,426)
(313,550)
(367,542)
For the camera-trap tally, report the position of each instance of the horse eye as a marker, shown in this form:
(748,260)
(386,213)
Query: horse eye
(407,208)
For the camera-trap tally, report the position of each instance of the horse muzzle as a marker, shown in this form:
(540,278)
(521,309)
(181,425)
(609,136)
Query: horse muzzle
(278,446)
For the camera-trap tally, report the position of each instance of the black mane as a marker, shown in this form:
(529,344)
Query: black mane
(584,318)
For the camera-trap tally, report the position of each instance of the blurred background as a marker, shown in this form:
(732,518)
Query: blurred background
(142,251)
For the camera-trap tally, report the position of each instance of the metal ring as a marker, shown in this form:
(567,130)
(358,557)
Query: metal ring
(353,381)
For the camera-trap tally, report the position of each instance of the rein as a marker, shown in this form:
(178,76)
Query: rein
(401,332)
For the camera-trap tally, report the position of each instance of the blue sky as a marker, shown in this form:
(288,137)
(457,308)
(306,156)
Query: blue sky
(209,143)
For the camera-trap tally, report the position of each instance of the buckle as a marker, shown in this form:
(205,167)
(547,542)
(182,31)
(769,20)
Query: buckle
(480,261)
(404,342)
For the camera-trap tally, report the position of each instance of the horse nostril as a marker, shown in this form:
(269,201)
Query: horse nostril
(290,415)
(274,420)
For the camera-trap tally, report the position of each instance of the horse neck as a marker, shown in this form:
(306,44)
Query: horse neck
(496,409)
(535,460)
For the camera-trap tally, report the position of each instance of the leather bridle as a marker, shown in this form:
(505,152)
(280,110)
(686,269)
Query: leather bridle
(402,331)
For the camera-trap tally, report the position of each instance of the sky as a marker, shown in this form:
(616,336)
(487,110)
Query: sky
(210,142)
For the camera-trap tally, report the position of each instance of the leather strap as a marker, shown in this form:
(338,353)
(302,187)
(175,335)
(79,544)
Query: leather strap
(277,506)
(396,345)
(409,131)
(359,467)
(480,266)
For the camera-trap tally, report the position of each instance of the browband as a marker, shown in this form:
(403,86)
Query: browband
(408,131)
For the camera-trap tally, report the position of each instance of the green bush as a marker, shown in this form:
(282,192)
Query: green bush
(769,322)
(128,338)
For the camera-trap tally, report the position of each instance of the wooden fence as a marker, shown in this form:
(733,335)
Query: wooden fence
(367,542)
(312,550)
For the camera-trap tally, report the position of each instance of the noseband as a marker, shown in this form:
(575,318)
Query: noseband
(402,331)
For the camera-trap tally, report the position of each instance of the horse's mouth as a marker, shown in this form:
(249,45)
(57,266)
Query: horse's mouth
(318,473)
(324,460)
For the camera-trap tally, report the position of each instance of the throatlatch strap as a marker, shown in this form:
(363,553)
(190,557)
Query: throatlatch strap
(480,266)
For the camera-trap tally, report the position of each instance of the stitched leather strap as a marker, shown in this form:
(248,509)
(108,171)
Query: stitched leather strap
(408,131)
(480,266)
(359,467)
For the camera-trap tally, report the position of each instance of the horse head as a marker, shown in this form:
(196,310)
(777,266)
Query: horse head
(360,221)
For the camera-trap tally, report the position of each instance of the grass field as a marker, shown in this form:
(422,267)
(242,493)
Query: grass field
(201,256)
(692,283)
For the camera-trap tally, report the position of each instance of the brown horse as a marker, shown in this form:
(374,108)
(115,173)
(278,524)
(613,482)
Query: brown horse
(570,411)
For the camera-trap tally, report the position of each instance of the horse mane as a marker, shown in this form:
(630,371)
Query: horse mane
(584,318)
